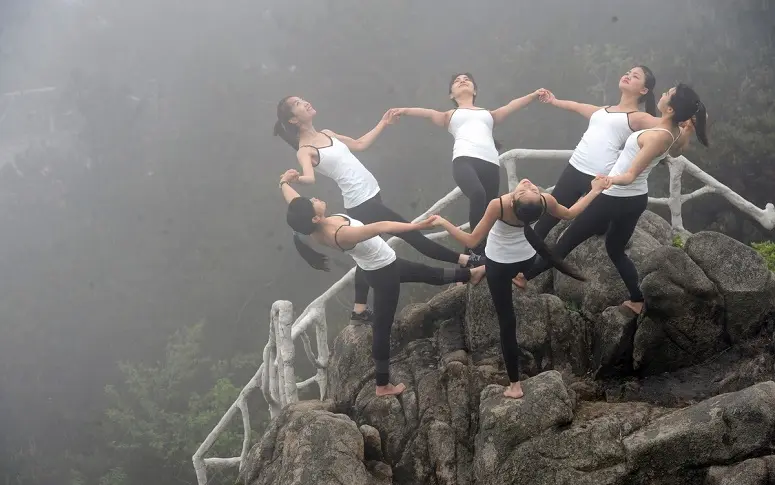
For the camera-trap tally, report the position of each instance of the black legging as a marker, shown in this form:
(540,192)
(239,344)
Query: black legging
(373,210)
(499,276)
(571,186)
(479,180)
(621,215)
(387,286)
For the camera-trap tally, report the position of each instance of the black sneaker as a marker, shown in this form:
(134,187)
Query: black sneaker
(475,260)
(365,316)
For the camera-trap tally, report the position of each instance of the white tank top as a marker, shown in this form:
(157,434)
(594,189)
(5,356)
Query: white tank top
(371,254)
(506,243)
(640,185)
(337,162)
(472,129)
(601,144)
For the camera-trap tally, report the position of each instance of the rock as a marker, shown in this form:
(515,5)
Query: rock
(612,343)
(372,443)
(741,276)
(684,318)
(505,423)
(310,444)
(749,472)
(351,364)
(717,430)
(657,227)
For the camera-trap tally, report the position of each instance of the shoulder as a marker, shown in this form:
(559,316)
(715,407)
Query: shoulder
(640,120)
(655,138)
(329,133)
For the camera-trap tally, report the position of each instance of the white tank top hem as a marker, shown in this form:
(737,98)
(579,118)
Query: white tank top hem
(601,144)
(356,183)
(640,185)
(472,129)
(371,254)
(507,244)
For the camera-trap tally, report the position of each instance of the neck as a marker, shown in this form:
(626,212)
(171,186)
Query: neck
(629,102)
(465,101)
(307,131)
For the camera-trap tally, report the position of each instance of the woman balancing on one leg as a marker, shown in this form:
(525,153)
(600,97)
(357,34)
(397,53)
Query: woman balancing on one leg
(377,264)
(602,143)
(511,248)
(475,163)
(330,154)
(620,206)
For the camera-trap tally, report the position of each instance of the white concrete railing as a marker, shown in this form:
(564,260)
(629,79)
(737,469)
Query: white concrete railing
(277,378)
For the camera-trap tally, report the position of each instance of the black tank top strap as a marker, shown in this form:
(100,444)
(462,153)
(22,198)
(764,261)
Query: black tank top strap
(317,150)
(336,233)
(500,199)
(543,204)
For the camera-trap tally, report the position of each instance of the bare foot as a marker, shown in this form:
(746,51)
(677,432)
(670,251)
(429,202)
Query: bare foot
(476,275)
(520,281)
(390,390)
(514,390)
(635,306)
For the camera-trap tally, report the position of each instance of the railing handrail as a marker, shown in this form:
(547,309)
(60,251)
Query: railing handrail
(279,385)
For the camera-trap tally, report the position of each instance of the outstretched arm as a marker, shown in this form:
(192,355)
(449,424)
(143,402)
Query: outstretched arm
(560,211)
(305,158)
(473,238)
(350,236)
(514,105)
(438,118)
(654,144)
(366,140)
(585,110)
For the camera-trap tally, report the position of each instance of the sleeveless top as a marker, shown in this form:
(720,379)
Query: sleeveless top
(506,243)
(371,254)
(640,185)
(337,162)
(599,148)
(472,129)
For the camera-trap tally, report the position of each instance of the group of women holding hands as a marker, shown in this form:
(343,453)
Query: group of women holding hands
(604,190)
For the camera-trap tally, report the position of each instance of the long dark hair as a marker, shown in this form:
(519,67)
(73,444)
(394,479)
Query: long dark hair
(283,127)
(687,105)
(299,217)
(470,78)
(649,99)
(528,213)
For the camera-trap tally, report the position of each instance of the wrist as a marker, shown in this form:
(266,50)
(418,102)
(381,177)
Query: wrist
(283,182)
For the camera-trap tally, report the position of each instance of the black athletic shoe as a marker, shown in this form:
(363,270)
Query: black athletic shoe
(475,260)
(366,316)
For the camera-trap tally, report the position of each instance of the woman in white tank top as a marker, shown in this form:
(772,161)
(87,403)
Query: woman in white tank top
(511,248)
(620,206)
(377,264)
(601,144)
(475,162)
(330,154)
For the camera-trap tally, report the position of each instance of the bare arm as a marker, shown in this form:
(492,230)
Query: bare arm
(366,140)
(289,193)
(305,158)
(438,118)
(514,105)
(350,236)
(473,238)
(654,144)
(585,110)
(560,211)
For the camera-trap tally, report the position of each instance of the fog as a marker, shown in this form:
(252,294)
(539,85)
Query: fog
(138,195)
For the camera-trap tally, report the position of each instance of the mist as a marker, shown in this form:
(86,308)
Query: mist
(138,176)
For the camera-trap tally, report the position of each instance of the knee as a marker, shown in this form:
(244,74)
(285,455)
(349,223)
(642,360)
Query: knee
(615,251)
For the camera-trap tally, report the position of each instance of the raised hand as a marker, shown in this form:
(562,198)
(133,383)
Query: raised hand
(290,175)
(546,96)
(601,182)
(391,116)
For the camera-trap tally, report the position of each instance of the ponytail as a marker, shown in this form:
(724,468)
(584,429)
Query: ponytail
(315,259)
(700,122)
(283,127)
(543,250)
(649,99)
(651,103)
(299,217)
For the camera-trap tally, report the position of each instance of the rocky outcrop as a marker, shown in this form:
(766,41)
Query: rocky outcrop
(682,394)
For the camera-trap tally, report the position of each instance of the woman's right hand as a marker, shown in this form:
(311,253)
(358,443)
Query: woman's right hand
(290,175)
(600,183)
(546,96)
(390,116)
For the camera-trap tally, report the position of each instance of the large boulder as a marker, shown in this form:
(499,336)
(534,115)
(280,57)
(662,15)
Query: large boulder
(684,318)
(308,443)
(741,276)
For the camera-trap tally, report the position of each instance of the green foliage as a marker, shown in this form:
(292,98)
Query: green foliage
(767,250)
(678,242)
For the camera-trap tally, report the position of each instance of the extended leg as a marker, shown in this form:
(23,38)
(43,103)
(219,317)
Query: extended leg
(571,186)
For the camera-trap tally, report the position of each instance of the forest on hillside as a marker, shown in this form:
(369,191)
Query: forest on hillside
(144,239)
